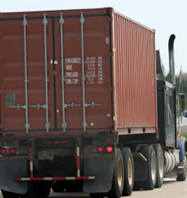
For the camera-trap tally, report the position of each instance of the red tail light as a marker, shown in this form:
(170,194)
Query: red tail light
(48,142)
(56,142)
(109,140)
(100,149)
(16,142)
(64,142)
(3,151)
(109,149)
(12,151)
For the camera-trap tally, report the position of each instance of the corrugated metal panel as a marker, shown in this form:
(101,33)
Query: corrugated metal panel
(135,80)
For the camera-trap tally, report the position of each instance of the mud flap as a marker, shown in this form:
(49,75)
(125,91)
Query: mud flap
(102,169)
(9,171)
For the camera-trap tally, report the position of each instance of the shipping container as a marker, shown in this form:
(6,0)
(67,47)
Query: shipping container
(78,105)
(63,77)
(134,76)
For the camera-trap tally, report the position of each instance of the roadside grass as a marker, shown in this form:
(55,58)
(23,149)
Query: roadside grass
(184,135)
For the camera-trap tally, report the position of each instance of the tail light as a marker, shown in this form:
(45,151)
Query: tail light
(56,142)
(12,151)
(110,140)
(100,149)
(16,142)
(3,151)
(105,149)
(109,149)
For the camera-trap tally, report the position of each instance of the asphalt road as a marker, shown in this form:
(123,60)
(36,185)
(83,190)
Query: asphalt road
(170,189)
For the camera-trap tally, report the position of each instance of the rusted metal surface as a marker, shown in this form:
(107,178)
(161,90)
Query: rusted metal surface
(65,78)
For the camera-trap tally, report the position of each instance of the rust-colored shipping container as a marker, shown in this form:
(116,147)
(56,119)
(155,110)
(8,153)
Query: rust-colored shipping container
(77,97)
(60,76)
(134,76)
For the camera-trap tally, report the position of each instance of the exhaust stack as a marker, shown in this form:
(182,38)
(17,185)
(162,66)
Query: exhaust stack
(171,59)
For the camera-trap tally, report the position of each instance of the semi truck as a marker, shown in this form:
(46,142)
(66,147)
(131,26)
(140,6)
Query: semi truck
(81,108)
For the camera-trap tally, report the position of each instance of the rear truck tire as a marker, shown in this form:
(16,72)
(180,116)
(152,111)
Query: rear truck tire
(9,194)
(182,147)
(159,165)
(182,176)
(71,186)
(136,185)
(128,171)
(149,153)
(58,187)
(97,195)
(32,190)
(44,189)
(118,176)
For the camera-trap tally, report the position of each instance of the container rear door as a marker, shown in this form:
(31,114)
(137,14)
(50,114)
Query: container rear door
(83,81)
(27,77)
(56,73)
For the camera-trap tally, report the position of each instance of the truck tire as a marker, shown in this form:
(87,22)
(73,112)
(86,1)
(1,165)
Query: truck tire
(9,194)
(118,176)
(44,189)
(97,195)
(137,185)
(71,186)
(32,190)
(58,187)
(149,152)
(159,165)
(128,171)
(182,176)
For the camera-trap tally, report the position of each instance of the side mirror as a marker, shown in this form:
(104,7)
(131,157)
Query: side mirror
(182,101)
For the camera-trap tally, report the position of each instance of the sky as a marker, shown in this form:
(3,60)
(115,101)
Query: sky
(165,16)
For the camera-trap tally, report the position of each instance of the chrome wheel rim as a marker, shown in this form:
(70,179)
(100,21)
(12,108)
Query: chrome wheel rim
(120,173)
(130,171)
(153,166)
(161,165)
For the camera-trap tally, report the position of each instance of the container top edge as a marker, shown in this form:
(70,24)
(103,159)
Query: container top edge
(134,21)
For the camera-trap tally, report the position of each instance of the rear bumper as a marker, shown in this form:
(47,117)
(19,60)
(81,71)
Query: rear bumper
(32,178)
(78,159)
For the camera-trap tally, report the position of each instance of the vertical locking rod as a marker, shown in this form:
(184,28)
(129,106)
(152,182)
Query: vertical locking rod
(84,123)
(27,125)
(64,124)
(47,124)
